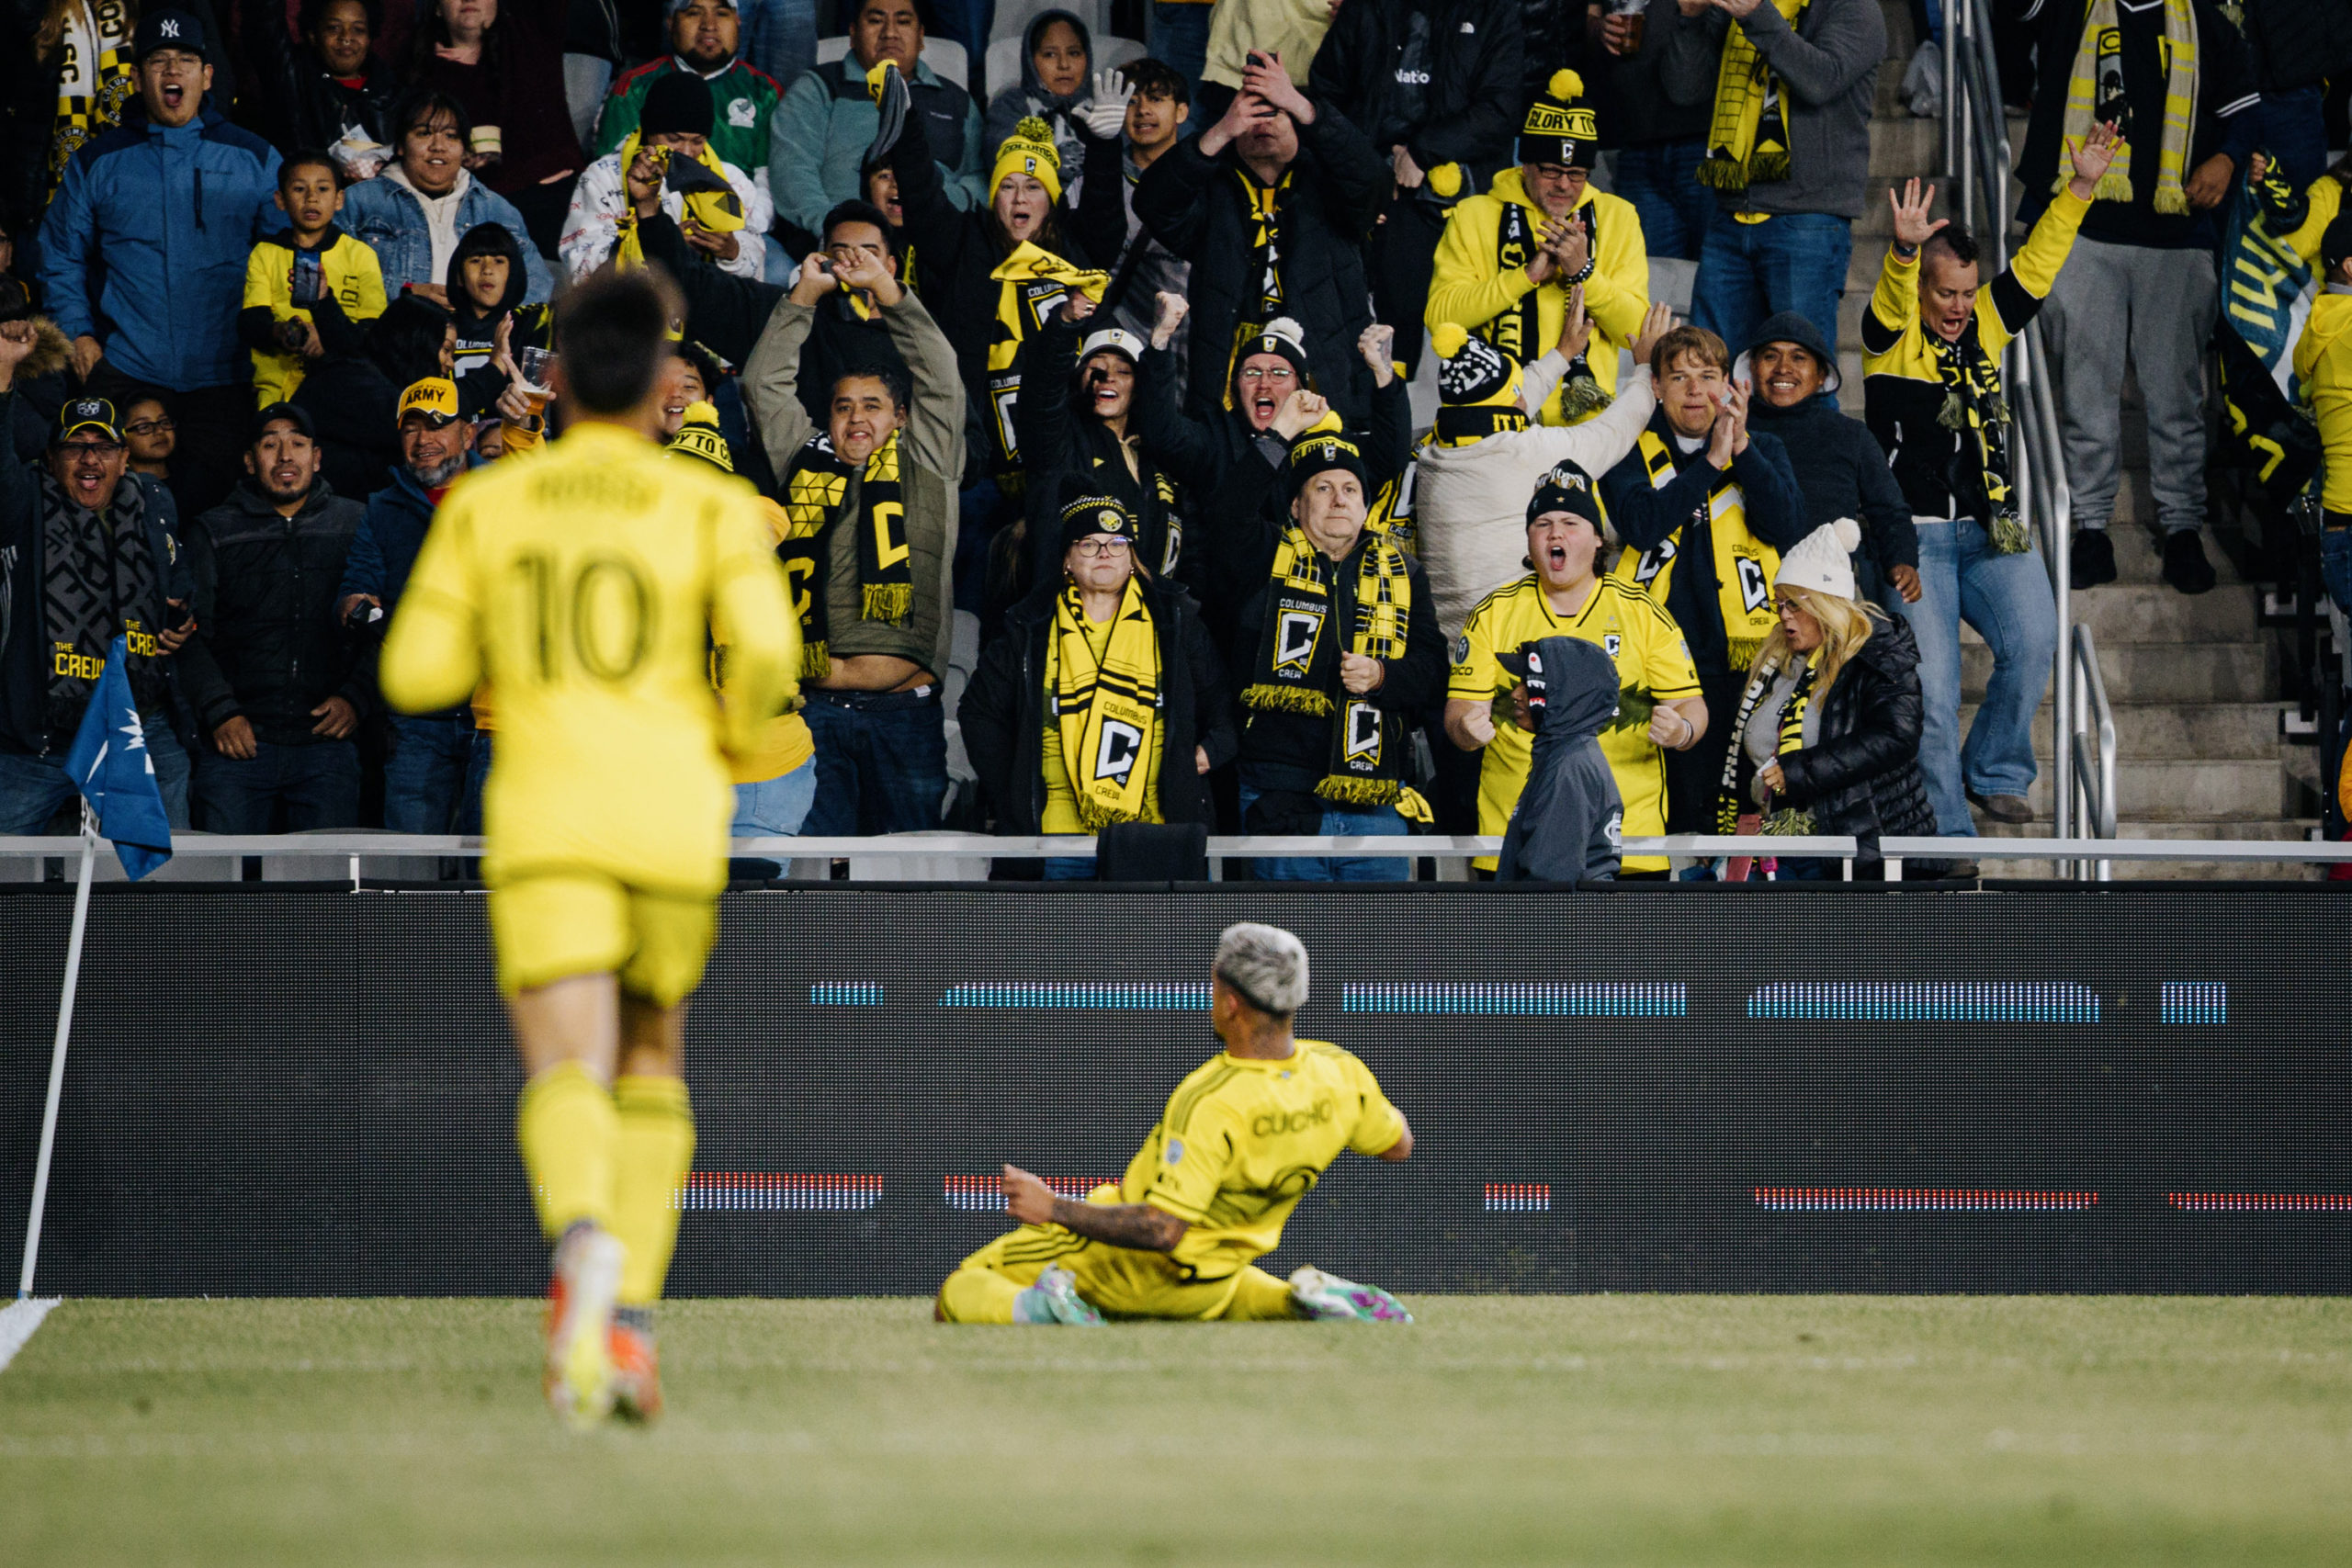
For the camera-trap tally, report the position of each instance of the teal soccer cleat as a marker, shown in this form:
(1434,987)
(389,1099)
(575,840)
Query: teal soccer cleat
(1326,1298)
(1055,1299)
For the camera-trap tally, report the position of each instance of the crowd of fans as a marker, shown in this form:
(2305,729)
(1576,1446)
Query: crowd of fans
(1083,409)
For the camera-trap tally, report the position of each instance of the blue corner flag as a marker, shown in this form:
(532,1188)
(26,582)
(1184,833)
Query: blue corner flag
(108,763)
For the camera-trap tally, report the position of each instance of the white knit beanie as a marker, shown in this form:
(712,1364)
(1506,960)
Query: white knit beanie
(1823,560)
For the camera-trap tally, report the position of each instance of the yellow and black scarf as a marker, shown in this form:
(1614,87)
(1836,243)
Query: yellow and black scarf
(817,500)
(1517,328)
(95,79)
(1299,662)
(1744,565)
(2094,93)
(1106,710)
(1748,140)
(1729,806)
(1265,249)
(1974,408)
(1033,284)
(701,183)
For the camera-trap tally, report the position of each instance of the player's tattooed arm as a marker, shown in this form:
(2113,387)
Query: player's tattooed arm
(1138,1225)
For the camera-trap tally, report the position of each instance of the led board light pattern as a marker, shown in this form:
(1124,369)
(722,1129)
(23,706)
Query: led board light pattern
(1927,1001)
(2263,1203)
(985,1194)
(1141,995)
(2196,1001)
(1575,998)
(1519,1197)
(1900,1199)
(845,994)
(777,1191)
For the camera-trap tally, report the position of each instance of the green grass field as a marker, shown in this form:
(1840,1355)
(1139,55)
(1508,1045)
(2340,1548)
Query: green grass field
(1607,1430)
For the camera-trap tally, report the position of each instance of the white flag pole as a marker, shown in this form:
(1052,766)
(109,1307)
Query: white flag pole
(57,1054)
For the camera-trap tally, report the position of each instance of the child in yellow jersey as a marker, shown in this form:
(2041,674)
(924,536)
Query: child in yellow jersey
(2323,365)
(585,585)
(1245,1136)
(308,288)
(1564,595)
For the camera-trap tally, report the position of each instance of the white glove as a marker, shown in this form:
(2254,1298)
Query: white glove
(1106,114)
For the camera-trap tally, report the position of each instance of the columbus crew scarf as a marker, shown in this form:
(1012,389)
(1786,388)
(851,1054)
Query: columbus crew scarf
(98,578)
(1518,330)
(701,183)
(1728,804)
(818,497)
(1744,565)
(1265,247)
(1974,407)
(96,80)
(1106,709)
(1299,664)
(1033,283)
(1747,141)
(2095,92)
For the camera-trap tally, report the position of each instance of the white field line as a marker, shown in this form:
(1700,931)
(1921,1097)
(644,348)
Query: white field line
(17,1321)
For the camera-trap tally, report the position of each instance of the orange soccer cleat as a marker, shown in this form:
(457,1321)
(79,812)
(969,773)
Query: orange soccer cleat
(637,1371)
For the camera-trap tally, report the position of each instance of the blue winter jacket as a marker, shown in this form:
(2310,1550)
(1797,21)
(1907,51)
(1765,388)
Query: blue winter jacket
(389,219)
(144,247)
(384,550)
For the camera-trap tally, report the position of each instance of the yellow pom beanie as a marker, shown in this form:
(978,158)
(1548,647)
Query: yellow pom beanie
(1029,151)
(1560,127)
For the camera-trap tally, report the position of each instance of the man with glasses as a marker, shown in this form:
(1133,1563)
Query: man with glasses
(147,243)
(85,557)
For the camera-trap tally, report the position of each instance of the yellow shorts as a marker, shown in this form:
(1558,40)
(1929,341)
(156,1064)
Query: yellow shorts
(1123,1281)
(550,928)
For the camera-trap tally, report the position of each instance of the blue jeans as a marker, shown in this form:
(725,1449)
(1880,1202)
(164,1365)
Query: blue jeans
(318,785)
(2007,599)
(1793,261)
(427,759)
(2335,561)
(780,37)
(775,808)
(1180,39)
(1662,181)
(881,762)
(1382,821)
(33,789)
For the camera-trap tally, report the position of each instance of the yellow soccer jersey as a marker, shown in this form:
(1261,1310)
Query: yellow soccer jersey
(1651,657)
(586,585)
(1242,1142)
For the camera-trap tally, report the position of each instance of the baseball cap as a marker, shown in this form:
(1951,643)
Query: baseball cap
(88,414)
(435,397)
(1118,340)
(298,418)
(166,28)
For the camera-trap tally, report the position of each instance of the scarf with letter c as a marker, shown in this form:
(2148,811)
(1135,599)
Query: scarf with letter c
(2095,92)
(1106,710)
(1747,141)
(1034,283)
(817,501)
(1744,565)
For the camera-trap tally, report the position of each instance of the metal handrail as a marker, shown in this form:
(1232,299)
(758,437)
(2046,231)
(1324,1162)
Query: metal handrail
(2094,771)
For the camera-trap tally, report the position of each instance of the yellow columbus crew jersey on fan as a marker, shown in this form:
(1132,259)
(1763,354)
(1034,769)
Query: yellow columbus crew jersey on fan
(586,586)
(1241,1142)
(1651,657)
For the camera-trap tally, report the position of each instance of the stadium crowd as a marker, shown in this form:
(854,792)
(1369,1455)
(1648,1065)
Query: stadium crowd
(1083,407)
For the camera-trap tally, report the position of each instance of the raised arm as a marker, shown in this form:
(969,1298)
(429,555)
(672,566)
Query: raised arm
(1846,47)
(772,379)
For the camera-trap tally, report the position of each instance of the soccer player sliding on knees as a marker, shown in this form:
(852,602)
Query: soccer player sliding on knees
(586,585)
(1245,1136)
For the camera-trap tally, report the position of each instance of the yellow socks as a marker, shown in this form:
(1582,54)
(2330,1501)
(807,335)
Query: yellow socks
(977,1295)
(1259,1297)
(568,1132)
(652,1151)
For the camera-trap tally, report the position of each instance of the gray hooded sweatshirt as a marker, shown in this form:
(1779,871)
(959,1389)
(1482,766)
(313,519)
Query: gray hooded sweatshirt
(1570,818)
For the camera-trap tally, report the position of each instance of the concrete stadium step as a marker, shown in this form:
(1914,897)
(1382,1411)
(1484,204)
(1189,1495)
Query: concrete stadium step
(2149,611)
(2159,672)
(2219,793)
(2284,830)
(2178,731)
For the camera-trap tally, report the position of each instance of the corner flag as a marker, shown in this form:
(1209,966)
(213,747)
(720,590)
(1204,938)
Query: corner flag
(109,764)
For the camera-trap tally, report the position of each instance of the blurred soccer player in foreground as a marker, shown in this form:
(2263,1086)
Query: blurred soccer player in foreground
(584,585)
(1245,1136)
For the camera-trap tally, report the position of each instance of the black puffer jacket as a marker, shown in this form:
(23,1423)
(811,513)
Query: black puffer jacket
(1003,712)
(268,645)
(1469,53)
(1863,776)
(1195,205)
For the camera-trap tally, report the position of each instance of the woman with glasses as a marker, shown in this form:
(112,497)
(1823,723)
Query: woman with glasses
(1103,700)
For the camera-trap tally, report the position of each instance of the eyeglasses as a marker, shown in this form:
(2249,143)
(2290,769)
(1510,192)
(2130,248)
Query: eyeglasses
(1282,373)
(1112,546)
(91,448)
(152,428)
